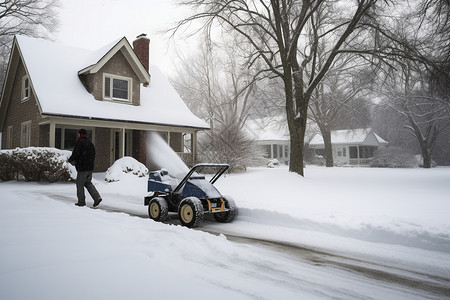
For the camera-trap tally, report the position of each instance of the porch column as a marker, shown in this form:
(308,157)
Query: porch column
(194,147)
(357,148)
(122,146)
(52,135)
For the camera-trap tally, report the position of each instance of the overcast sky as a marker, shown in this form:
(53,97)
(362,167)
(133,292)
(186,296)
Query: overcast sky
(91,24)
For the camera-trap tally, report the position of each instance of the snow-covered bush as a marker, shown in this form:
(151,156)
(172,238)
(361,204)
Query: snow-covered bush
(273,163)
(36,164)
(393,157)
(126,164)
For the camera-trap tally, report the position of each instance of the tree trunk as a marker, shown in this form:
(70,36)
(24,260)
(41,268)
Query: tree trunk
(426,155)
(297,135)
(426,160)
(326,134)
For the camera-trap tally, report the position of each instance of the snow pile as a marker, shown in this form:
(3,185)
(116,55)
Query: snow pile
(273,163)
(125,165)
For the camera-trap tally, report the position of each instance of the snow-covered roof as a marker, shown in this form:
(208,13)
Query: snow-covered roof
(53,70)
(350,136)
(267,129)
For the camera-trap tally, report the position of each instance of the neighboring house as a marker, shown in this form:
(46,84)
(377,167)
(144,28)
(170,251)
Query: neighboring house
(350,147)
(51,91)
(273,135)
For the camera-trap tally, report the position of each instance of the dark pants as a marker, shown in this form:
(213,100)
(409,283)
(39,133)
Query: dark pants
(84,180)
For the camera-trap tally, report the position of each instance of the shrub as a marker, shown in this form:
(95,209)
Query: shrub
(317,160)
(393,157)
(35,164)
(229,144)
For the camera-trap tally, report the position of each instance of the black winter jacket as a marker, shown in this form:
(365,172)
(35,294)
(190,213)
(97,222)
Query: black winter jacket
(83,155)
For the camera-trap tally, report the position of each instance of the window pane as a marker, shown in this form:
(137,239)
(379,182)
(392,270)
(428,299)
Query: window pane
(70,138)
(107,87)
(120,84)
(120,88)
(27,90)
(25,135)
(353,152)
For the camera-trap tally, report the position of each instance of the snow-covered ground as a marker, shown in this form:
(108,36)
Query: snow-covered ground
(311,236)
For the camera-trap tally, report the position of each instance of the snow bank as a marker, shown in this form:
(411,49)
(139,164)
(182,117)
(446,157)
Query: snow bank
(381,218)
(123,165)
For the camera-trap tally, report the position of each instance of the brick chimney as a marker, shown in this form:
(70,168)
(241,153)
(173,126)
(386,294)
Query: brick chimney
(141,47)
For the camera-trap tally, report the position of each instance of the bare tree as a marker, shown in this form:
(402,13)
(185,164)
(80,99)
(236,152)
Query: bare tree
(415,84)
(25,17)
(340,101)
(423,117)
(277,30)
(218,90)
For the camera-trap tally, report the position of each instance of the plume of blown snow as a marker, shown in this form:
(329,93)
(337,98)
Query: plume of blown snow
(162,156)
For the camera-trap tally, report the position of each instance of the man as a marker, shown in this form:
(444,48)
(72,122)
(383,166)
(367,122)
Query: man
(83,156)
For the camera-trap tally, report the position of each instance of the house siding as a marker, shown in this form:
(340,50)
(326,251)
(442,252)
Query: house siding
(117,65)
(44,135)
(18,111)
(102,149)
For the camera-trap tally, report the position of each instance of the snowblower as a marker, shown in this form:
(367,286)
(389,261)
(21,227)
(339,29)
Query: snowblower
(191,198)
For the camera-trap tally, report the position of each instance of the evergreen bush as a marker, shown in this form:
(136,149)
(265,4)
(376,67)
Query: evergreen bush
(35,164)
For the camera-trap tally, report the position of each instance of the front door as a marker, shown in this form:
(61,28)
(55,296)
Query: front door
(121,144)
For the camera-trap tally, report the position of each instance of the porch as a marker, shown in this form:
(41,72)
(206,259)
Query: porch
(114,140)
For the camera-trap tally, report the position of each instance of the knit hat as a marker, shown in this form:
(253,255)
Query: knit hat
(82,132)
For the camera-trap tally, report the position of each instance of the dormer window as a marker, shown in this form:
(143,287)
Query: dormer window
(117,88)
(25,88)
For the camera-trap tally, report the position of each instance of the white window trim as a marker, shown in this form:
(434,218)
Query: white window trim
(27,142)
(24,96)
(112,77)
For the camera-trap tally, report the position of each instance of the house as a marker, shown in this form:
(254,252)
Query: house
(52,90)
(350,147)
(272,135)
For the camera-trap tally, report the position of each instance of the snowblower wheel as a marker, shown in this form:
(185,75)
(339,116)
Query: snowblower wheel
(158,209)
(228,216)
(190,212)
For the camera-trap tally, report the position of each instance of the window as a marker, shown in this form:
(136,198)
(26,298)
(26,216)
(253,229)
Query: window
(342,151)
(65,138)
(25,134)
(9,137)
(116,87)
(275,151)
(286,151)
(25,88)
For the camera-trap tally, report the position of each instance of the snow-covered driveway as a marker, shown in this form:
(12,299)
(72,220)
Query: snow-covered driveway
(336,234)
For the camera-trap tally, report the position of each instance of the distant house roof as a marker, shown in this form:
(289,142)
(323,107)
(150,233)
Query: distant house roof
(53,70)
(267,129)
(364,136)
